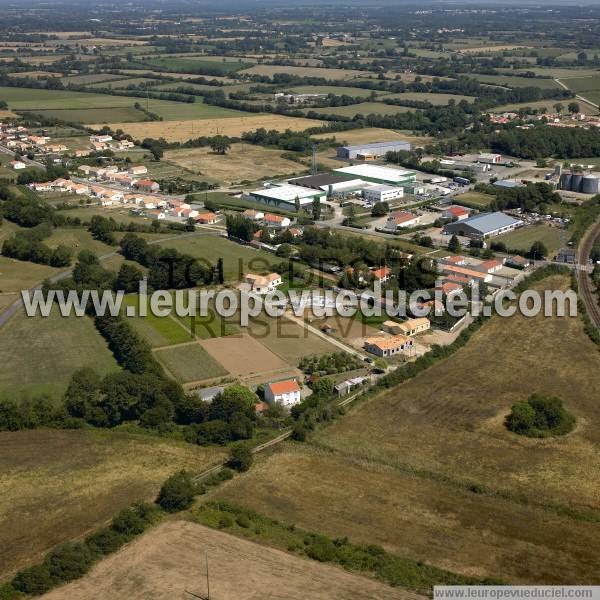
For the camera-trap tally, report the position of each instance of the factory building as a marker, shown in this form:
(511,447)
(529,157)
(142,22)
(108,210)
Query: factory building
(483,225)
(371,151)
(329,183)
(285,196)
(377,174)
(382,193)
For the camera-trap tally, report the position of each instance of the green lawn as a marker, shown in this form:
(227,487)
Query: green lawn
(237,259)
(158,331)
(38,355)
(190,362)
(476,199)
(508,81)
(521,239)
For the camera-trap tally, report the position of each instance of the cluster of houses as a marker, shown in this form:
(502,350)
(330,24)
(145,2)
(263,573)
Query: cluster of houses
(106,142)
(133,177)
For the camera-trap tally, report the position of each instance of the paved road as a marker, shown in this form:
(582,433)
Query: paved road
(582,98)
(10,311)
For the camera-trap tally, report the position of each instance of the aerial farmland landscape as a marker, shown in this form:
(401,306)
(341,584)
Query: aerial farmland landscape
(299,300)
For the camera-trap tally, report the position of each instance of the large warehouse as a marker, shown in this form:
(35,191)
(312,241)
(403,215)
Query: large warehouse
(284,196)
(370,151)
(378,174)
(483,225)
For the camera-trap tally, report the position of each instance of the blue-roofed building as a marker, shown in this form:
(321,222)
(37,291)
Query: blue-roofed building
(483,225)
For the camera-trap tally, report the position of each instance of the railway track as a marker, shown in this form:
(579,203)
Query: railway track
(583,278)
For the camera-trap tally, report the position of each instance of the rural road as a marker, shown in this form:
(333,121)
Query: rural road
(583,99)
(583,278)
(10,310)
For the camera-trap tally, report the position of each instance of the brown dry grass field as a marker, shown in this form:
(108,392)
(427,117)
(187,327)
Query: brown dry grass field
(243,162)
(421,519)
(428,470)
(180,131)
(372,134)
(58,485)
(168,562)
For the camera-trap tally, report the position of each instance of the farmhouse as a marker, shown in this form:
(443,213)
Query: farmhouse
(483,225)
(401,220)
(372,150)
(377,174)
(388,346)
(263,284)
(285,392)
(286,196)
(414,326)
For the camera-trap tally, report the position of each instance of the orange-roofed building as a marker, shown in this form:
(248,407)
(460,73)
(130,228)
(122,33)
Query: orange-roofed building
(388,346)
(383,274)
(207,218)
(286,392)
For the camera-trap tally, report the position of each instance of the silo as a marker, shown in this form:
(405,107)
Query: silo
(590,185)
(565,181)
(576,182)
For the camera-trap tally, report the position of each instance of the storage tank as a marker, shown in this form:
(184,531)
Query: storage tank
(590,185)
(565,181)
(576,182)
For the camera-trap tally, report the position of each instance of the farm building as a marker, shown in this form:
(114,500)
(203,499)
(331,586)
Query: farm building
(285,196)
(401,220)
(409,327)
(285,392)
(382,193)
(483,225)
(370,151)
(263,284)
(518,261)
(390,346)
(345,387)
(377,174)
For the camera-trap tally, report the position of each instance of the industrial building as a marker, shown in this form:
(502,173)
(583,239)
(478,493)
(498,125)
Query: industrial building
(285,196)
(483,225)
(329,182)
(382,193)
(371,151)
(508,184)
(377,174)
(491,159)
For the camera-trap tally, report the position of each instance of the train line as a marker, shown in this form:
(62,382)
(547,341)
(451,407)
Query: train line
(584,280)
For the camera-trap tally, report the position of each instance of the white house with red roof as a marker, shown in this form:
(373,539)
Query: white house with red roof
(382,274)
(401,220)
(456,212)
(277,221)
(286,392)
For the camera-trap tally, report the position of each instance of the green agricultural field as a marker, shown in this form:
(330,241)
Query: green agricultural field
(184,111)
(38,355)
(122,83)
(92,78)
(190,363)
(158,331)
(333,89)
(77,240)
(521,239)
(435,99)
(237,259)
(508,81)
(201,66)
(95,115)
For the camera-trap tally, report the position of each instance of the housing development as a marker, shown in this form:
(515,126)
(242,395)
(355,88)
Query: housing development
(390,216)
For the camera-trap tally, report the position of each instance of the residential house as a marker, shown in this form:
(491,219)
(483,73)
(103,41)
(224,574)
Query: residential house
(41,187)
(401,220)
(101,139)
(253,215)
(138,170)
(489,266)
(464,272)
(17,165)
(285,392)
(388,346)
(457,213)
(263,284)
(518,261)
(412,327)
(382,274)
(207,218)
(147,185)
(276,221)
(156,214)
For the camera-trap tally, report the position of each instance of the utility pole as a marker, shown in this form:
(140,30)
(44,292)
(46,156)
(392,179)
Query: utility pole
(313,170)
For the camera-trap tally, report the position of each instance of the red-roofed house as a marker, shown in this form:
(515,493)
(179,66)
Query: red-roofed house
(286,392)
(489,266)
(401,220)
(456,212)
(147,185)
(207,218)
(383,274)
(276,221)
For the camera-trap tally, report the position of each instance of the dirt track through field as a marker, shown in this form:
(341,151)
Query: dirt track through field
(169,562)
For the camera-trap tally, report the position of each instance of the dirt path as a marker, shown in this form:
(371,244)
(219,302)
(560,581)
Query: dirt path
(169,562)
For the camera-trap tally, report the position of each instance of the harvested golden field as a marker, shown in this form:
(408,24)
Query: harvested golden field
(421,519)
(58,485)
(7,114)
(332,74)
(449,419)
(372,134)
(243,162)
(180,131)
(168,562)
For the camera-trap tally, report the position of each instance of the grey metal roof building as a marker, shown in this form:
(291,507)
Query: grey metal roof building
(374,149)
(319,182)
(483,225)
(508,183)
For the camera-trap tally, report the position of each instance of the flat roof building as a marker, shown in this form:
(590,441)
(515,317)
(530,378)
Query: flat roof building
(382,193)
(322,182)
(378,174)
(374,149)
(483,225)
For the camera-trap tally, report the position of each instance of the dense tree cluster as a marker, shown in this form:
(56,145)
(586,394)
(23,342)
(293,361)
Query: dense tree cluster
(540,416)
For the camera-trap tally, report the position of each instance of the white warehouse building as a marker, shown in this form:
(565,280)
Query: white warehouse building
(382,193)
